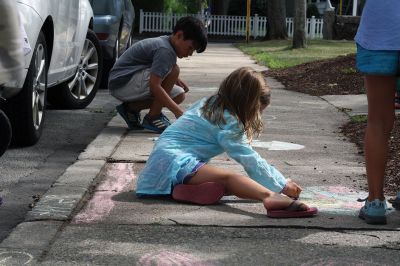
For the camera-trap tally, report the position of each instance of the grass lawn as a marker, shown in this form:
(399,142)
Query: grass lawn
(279,54)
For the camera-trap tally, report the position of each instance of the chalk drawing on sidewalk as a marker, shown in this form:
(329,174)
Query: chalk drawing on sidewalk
(276,145)
(166,257)
(336,261)
(333,199)
(269,117)
(117,177)
(55,206)
(15,258)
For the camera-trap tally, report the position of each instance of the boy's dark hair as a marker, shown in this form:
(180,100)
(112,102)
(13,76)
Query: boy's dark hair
(193,29)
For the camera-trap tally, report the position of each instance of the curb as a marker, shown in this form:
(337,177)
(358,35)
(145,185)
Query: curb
(31,238)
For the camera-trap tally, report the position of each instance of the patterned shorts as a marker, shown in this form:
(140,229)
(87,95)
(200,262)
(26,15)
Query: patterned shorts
(187,177)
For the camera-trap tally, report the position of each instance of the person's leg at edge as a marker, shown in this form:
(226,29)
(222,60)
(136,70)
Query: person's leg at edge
(242,187)
(397,95)
(381,115)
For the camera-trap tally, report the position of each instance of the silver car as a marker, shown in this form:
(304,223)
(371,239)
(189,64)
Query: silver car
(113,24)
(63,67)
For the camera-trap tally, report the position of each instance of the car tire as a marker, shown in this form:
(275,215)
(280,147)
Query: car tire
(5,132)
(26,110)
(78,92)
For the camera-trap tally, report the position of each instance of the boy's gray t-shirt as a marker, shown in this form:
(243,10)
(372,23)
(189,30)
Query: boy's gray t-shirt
(157,54)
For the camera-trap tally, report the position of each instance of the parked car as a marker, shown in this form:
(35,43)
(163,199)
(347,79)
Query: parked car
(11,61)
(113,24)
(64,66)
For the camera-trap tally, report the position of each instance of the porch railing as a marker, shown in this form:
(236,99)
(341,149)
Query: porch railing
(223,25)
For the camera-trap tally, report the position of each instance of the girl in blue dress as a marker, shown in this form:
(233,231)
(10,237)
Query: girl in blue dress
(224,122)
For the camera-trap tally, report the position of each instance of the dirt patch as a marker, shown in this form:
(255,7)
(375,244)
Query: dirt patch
(338,76)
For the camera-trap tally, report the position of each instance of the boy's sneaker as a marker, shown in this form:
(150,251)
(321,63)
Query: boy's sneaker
(396,202)
(156,123)
(132,119)
(165,118)
(374,212)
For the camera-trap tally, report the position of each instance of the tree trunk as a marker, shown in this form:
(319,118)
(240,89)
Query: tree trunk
(299,35)
(276,20)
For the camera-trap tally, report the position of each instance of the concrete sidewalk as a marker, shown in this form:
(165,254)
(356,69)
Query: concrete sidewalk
(91,216)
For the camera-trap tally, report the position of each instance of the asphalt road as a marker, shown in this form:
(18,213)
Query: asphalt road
(26,173)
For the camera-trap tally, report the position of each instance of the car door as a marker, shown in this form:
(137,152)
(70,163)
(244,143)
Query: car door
(74,44)
(59,13)
(127,14)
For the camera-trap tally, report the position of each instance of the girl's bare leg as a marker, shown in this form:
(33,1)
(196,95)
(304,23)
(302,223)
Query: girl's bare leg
(381,115)
(241,186)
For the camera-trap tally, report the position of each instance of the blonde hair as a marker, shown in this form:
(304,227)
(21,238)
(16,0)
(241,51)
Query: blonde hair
(242,93)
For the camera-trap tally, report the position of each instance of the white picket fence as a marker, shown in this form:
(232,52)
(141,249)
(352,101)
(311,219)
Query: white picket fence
(223,25)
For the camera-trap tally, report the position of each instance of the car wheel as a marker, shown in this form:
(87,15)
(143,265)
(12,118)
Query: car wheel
(79,92)
(5,132)
(26,110)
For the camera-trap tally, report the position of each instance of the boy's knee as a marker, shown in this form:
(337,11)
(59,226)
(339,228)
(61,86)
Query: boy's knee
(179,98)
(175,71)
(171,78)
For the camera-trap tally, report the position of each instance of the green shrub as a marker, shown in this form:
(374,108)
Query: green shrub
(312,10)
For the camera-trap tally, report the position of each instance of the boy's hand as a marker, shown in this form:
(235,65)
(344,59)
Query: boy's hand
(178,114)
(292,189)
(182,84)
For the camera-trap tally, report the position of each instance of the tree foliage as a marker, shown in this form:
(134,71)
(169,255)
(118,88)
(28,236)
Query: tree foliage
(184,6)
(312,10)
(239,7)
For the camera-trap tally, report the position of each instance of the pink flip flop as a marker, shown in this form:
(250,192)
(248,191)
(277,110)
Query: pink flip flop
(293,211)
(204,194)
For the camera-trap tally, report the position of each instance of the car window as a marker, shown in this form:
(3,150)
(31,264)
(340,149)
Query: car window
(103,7)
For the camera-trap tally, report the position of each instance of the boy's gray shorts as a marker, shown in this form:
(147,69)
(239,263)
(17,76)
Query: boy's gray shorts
(138,88)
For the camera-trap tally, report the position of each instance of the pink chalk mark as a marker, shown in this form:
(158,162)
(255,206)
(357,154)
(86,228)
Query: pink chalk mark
(118,176)
(173,258)
(340,190)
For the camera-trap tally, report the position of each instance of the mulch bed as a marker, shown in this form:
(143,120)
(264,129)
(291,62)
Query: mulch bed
(338,77)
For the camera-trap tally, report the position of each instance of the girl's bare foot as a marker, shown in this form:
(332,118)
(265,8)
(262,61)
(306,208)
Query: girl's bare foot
(281,206)
(282,202)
